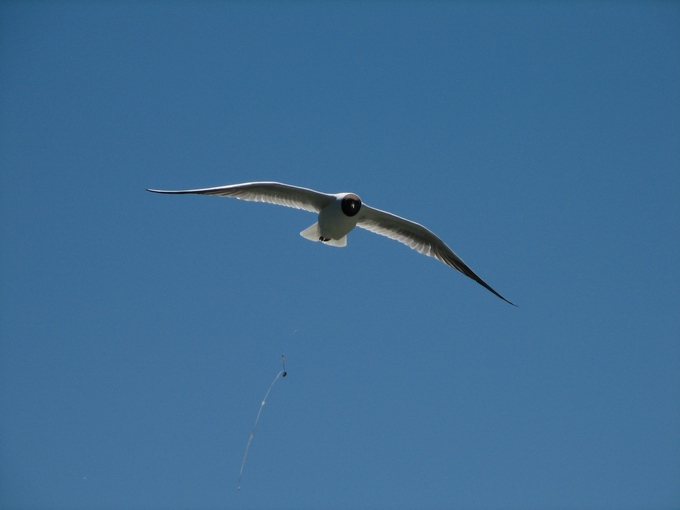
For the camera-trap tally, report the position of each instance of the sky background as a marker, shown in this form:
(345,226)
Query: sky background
(139,332)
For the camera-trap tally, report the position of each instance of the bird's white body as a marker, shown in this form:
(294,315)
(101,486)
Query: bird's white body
(338,214)
(333,224)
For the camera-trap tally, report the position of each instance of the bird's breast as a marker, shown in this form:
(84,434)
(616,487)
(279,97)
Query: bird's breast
(334,223)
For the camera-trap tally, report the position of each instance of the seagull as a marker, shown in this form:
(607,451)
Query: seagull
(338,214)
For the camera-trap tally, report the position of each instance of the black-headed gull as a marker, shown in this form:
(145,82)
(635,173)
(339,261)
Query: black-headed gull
(338,214)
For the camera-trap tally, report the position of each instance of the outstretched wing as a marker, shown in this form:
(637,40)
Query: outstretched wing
(269,192)
(417,237)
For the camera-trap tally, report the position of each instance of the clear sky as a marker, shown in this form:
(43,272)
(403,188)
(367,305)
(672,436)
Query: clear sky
(139,332)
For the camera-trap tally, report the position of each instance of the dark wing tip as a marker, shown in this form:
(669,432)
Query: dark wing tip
(170,192)
(447,256)
(488,287)
(510,302)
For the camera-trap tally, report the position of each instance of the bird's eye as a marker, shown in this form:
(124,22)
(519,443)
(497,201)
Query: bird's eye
(351,205)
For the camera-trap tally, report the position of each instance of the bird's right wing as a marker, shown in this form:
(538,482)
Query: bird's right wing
(269,192)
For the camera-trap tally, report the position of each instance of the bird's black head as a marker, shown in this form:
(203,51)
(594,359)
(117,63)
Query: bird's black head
(351,204)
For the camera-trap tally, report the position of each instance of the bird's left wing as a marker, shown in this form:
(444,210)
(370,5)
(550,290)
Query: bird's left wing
(269,192)
(417,237)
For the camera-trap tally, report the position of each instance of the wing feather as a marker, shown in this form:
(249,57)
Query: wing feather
(268,192)
(417,237)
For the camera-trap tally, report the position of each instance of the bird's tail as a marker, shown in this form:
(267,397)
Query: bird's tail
(313,233)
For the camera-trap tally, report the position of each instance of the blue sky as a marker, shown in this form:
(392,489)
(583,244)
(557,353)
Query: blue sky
(139,332)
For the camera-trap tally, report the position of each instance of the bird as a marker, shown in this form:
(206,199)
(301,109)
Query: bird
(338,214)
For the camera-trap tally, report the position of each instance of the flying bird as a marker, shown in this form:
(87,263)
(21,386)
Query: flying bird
(338,214)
